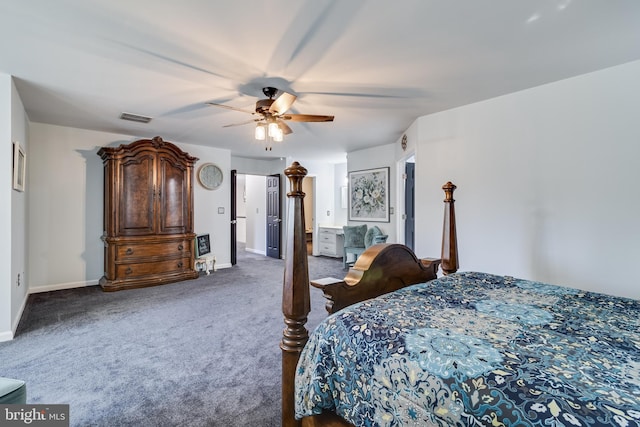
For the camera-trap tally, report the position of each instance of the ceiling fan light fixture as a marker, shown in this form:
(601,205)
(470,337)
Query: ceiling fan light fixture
(274,129)
(279,135)
(261,132)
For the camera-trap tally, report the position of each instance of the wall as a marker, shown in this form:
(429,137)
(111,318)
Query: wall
(19,279)
(340,180)
(212,208)
(6,159)
(66,201)
(323,193)
(373,158)
(547,181)
(13,260)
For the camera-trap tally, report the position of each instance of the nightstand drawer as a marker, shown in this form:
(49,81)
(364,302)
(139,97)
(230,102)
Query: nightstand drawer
(327,238)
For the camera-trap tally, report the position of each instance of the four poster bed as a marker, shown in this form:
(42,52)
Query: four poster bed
(405,348)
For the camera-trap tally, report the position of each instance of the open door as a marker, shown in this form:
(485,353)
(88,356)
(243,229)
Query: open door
(273,216)
(409,205)
(234,218)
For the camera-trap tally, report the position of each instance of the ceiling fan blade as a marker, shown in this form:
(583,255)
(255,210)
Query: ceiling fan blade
(228,107)
(242,123)
(307,118)
(282,103)
(285,128)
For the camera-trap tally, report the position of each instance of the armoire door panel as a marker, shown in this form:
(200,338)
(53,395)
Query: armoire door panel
(174,206)
(137,196)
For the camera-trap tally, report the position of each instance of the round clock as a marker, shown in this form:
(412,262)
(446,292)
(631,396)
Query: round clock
(210,176)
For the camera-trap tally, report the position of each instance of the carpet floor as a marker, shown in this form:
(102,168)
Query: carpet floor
(202,352)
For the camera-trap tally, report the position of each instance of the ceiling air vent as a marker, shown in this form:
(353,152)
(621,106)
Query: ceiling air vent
(135,118)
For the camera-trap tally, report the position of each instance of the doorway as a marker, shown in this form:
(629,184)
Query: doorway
(258,219)
(308,185)
(409,203)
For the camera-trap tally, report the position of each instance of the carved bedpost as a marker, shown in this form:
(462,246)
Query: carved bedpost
(449,239)
(296,303)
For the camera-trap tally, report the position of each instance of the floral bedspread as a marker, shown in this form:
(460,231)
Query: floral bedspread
(475,349)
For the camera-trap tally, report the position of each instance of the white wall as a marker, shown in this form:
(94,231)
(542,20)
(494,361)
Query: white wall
(373,158)
(212,208)
(340,181)
(66,200)
(547,182)
(19,279)
(6,159)
(323,193)
(13,260)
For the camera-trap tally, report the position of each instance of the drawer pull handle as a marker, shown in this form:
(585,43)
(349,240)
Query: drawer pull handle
(129,251)
(180,264)
(128,270)
(180,247)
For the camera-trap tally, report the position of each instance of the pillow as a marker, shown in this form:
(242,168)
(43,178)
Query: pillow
(354,235)
(374,235)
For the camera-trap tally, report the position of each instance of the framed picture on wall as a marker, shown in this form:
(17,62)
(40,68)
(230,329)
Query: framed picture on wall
(369,195)
(19,167)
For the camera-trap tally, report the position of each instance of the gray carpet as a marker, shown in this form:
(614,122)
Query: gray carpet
(202,352)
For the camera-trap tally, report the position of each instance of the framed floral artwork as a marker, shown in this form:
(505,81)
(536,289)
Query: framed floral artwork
(369,195)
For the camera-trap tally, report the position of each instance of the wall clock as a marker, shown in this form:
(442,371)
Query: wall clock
(210,176)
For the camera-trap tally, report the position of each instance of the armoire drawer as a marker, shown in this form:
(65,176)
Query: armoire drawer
(124,271)
(143,250)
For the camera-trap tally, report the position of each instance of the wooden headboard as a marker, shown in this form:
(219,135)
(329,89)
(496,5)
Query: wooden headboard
(380,269)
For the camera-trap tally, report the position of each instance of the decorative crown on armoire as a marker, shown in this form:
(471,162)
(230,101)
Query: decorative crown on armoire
(148,214)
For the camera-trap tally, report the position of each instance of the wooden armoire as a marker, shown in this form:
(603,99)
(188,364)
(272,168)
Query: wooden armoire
(148,215)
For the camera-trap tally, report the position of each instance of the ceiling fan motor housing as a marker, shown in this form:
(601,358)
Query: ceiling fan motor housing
(263,105)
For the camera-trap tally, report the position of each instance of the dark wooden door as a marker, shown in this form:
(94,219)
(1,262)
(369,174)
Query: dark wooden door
(273,216)
(172,194)
(136,182)
(409,205)
(234,218)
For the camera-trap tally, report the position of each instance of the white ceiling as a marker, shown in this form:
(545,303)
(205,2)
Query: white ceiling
(376,65)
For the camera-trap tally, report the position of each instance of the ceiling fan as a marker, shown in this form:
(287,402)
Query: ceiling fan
(272,115)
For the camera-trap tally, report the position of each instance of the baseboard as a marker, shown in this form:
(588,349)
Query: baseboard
(6,336)
(226,265)
(16,320)
(256,251)
(60,286)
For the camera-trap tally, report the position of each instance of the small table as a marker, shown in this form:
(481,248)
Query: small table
(203,262)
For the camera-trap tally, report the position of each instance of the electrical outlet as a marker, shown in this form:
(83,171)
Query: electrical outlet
(328,213)
(18,280)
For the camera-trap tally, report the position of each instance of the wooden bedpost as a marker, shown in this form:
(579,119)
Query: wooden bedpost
(449,239)
(296,303)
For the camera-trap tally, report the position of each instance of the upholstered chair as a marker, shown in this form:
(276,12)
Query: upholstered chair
(357,239)
(353,242)
(374,236)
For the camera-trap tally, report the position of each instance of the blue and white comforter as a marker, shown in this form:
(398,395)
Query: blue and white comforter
(477,349)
